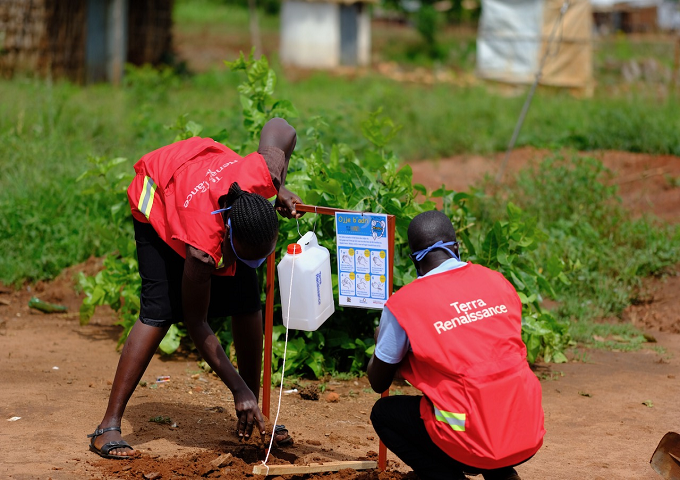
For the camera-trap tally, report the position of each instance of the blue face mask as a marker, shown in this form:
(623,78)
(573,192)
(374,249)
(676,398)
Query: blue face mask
(250,263)
(420,254)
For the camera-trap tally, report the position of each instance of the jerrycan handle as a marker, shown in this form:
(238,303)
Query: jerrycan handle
(308,241)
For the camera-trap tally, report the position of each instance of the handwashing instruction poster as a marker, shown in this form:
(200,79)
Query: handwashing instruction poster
(362,259)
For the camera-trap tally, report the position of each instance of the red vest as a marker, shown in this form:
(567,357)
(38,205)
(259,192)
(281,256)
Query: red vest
(177,186)
(482,402)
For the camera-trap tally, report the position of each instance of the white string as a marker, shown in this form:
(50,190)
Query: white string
(283,367)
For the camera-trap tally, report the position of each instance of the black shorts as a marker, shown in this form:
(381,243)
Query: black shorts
(161,269)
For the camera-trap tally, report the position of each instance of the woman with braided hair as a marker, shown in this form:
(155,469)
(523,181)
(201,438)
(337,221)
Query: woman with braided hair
(203,224)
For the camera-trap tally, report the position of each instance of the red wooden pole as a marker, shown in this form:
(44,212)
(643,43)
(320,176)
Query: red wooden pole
(268,331)
(391,225)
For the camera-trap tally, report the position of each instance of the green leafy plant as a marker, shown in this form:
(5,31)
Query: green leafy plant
(595,249)
(332,174)
(506,248)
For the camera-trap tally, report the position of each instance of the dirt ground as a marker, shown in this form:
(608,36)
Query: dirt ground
(605,411)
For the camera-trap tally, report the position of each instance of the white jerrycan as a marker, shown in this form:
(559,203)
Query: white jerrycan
(308,265)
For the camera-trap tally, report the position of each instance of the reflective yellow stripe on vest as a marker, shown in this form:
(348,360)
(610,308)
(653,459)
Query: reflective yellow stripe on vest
(146,197)
(455,420)
(221,264)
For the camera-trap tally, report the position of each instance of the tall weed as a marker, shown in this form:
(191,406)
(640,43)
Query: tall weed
(604,251)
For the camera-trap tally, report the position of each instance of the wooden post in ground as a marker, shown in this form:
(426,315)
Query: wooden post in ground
(391,226)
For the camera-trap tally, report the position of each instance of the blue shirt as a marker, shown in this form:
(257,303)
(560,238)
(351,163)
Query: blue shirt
(393,343)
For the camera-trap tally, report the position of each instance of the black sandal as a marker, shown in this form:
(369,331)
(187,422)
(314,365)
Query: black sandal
(107,447)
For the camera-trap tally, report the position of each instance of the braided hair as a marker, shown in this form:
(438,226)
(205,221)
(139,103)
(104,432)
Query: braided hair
(253,218)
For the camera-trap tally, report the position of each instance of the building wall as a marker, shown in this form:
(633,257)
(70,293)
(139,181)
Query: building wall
(513,37)
(43,37)
(53,38)
(311,36)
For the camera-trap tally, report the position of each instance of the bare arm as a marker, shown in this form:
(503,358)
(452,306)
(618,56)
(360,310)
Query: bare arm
(380,374)
(195,300)
(277,142)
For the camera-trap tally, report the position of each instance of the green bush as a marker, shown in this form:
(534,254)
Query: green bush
(601,251)
(333,175)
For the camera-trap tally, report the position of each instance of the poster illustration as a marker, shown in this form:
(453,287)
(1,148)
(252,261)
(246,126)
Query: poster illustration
(363,253)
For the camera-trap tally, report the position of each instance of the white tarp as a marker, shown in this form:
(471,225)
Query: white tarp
(509,38)
(513,36)
(669,16)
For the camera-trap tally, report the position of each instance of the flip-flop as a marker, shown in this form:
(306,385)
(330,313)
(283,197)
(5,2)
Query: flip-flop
(107,447)
(284,442)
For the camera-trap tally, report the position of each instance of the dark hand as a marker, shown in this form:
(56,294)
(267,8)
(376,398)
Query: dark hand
(278,133)
(285,203)
(248,414)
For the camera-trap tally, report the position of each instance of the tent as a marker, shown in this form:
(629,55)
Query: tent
(513,38)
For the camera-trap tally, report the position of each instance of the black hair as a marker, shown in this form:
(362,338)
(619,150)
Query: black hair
(428,228)
(253,218)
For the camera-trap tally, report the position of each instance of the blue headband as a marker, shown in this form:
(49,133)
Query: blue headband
(420,254)
(220,210)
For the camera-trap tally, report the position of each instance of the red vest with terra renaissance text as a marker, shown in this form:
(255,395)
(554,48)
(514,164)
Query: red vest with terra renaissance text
(482,402)
(178,186)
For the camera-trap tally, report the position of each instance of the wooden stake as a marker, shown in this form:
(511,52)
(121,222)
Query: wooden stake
(313,467)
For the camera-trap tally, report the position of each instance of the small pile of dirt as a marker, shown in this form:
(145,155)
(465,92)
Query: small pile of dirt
(310,392)
(190,466)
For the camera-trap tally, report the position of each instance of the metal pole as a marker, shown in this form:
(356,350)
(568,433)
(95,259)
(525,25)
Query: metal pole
(527,102)
(676,65)
(254,28)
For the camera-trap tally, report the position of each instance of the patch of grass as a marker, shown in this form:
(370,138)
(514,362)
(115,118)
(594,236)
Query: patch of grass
(579,355)
(212,16)
(673,182)
(611,336)
(551,376)
(344,376)
(602,251)
(48,130)
(161,420)
(661,351)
